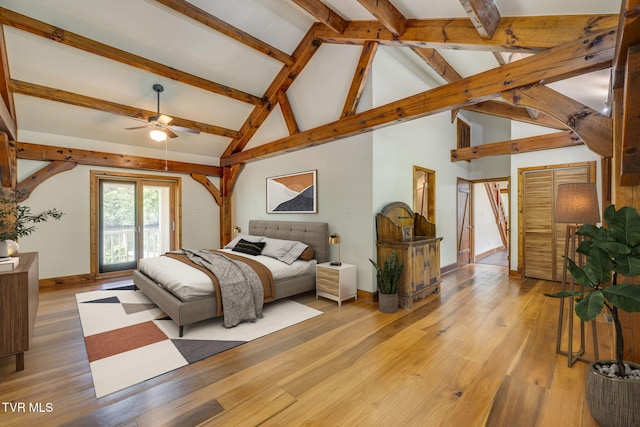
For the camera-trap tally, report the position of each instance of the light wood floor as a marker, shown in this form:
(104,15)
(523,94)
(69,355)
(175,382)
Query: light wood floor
(481,353)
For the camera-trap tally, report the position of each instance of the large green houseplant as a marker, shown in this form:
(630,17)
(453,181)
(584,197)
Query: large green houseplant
(611,251)
(387,277)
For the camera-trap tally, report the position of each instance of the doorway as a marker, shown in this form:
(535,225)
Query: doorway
(134,217)
(490,221)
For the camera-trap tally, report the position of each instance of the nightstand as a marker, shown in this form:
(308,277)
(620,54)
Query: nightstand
(336,282)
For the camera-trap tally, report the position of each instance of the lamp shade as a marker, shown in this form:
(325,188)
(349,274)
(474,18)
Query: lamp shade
(334,239)
(577,203)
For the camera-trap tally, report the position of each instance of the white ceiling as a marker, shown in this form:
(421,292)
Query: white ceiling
(151,30)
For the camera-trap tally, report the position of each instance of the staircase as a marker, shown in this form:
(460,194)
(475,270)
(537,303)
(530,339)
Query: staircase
(493,191)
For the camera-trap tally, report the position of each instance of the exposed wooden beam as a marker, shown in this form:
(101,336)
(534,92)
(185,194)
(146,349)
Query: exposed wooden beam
(526,34)
(227,29)
(567,138)
(440,65)
(628,35)
(71,98)
(5,76)
(569,59)
(302,55)
(437,62)
(27,185)
(212,189)
(323,13)
(484,14)
(229,177)
(387,14)
(7,161)
(50,153)
(360,78)
(7,107)
(287,113)
(595,129)
(449,74)
(630,152)
(42,29)
(508,111)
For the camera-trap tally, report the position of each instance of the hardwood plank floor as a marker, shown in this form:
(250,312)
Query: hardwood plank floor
(480,354)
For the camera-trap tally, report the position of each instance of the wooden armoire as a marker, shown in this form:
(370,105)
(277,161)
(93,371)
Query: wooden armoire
(413,238)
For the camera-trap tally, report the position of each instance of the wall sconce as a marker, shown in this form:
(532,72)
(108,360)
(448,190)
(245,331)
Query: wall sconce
(237,230)
(158,135)
(334,239)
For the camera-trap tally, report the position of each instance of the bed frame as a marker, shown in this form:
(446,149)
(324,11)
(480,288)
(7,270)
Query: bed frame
(314,234)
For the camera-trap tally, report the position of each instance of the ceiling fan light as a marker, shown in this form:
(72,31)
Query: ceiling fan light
(158,135)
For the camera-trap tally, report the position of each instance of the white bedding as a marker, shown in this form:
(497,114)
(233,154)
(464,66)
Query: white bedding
(188,283)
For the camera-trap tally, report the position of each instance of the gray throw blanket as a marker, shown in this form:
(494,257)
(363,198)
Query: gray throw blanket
(240,287)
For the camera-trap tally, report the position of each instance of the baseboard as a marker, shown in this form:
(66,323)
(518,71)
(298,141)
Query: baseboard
(367,296)
(449,268)
(489,252)
(77,280)
(515,273)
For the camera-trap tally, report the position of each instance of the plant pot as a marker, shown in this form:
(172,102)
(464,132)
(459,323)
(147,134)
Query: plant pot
(612,401)
(388,303)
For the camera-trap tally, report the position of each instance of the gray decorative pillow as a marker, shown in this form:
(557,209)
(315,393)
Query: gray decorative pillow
(294,253)
(276,248)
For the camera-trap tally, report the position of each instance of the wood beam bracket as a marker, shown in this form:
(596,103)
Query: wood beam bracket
(27,185)
(212,189)
(594,128)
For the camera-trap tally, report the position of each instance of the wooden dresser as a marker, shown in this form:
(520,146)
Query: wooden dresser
(18,307)
(413,239)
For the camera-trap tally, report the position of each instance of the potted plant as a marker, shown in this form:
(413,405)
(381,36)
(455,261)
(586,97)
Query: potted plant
(17,221)
(611,252)
(387,278)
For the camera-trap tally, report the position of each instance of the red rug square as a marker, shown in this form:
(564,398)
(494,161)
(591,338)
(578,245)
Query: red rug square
(120,340)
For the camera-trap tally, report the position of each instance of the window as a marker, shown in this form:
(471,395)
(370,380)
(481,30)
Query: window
(134,217)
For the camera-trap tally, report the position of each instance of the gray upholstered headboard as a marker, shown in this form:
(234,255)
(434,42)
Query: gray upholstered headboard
(314,234)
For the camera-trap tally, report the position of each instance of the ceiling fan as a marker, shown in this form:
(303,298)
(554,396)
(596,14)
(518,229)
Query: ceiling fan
(159,124)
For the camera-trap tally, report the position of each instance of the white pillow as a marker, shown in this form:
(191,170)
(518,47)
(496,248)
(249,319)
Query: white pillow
(249,238)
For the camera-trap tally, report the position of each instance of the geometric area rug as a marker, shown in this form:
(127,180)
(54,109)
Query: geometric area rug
(130,340)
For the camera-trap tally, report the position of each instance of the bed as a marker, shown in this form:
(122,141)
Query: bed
(185,312)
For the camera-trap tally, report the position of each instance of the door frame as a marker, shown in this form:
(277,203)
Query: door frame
(94,210)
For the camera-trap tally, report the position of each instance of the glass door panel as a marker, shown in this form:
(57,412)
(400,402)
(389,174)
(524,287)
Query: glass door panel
(117,224)
(157,223)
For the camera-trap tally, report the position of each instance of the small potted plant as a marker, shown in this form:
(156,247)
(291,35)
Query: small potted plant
(387,278)
(614,398)
(17,221)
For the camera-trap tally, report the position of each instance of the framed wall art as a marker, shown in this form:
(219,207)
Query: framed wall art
(293,193)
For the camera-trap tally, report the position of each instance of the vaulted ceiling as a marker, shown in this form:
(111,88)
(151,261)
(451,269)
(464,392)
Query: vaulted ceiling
(235,70)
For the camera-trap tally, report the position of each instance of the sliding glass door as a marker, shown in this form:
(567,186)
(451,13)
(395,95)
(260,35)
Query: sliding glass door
(136,218)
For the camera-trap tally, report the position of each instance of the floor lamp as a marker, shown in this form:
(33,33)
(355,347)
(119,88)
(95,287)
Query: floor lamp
(576,204)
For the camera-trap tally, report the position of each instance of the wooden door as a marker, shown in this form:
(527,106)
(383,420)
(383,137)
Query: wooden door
(464,226)
(542,239)
(538,225)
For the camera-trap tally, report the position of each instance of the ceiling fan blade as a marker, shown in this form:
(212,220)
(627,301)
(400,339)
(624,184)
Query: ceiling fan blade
(183,129)
(165,120)
(136,127)
(170,133)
